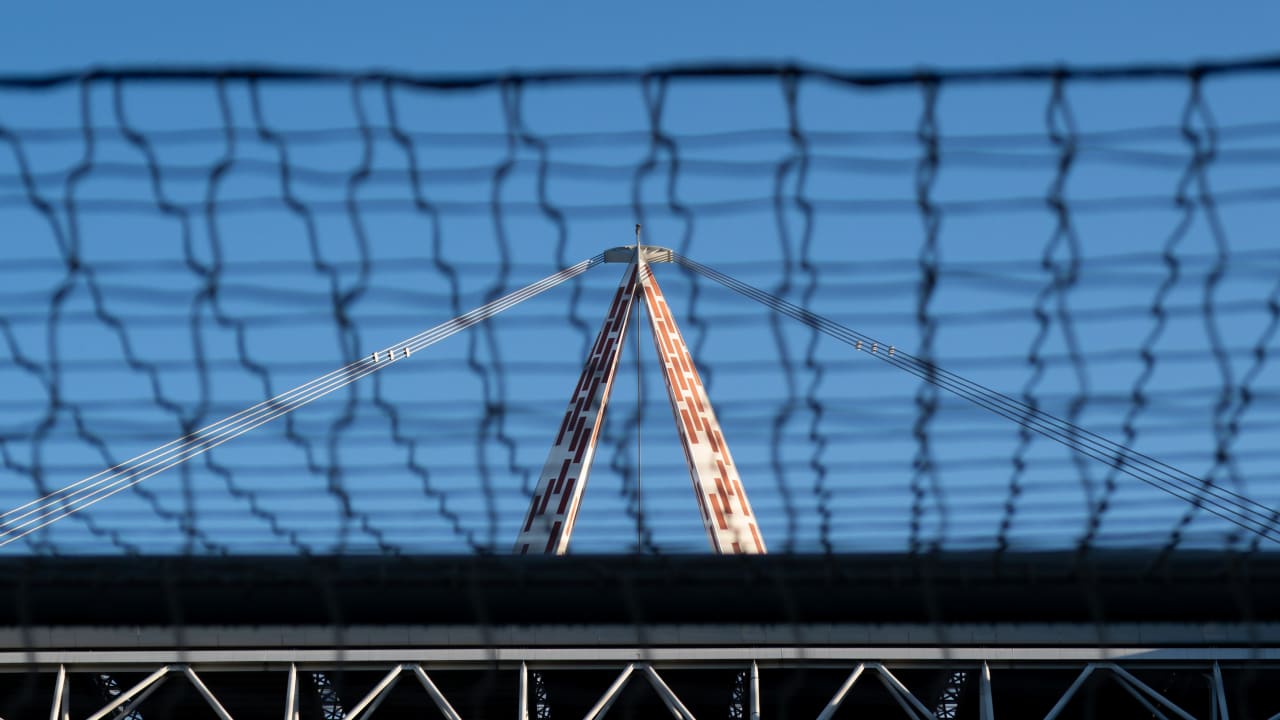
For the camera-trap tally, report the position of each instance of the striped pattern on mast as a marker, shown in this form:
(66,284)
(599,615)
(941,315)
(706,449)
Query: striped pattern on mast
(726,513)
(722,501)
(554,508)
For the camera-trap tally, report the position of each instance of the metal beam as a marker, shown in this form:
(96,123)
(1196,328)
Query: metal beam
(1071,691)
(377,702)
(209,660)
(669,697)
(208,696)
(898,698)
(438,697)
(130,711)
(60,709)
(1220,693)
(522,709)
(1136,693)
(383,685)
(755,691)
(144,688)
(995,641)
(1157,704)
(1154,694)
(895,685)
(291,710)
(834,703)
(986,710)
(606,701)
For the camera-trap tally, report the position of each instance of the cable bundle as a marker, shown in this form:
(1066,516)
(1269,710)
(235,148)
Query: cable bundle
(1222,502)
(26,519)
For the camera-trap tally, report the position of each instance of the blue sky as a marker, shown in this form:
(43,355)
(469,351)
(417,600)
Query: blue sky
(495,36)
(859,449)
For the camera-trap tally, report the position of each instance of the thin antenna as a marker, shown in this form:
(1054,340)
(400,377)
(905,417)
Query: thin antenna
(639,407)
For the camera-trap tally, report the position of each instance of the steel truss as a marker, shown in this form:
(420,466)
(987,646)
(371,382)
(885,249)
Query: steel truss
(330,704)
(750,666)
(949,699)
(108,686)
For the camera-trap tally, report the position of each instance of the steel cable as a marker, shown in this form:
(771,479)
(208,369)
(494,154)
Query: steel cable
(1226,504)
(81,494)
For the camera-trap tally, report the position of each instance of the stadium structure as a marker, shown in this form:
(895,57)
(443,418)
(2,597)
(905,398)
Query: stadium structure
(1179,623)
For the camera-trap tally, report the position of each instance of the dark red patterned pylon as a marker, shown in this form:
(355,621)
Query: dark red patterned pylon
(554,508)
(726,513)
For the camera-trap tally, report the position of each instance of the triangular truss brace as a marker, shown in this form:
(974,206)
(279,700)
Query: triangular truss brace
(726,513)
(125,702)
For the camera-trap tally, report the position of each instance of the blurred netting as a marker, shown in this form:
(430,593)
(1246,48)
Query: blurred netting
(1100,244)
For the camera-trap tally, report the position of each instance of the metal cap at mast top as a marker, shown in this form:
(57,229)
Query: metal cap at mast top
(626,253)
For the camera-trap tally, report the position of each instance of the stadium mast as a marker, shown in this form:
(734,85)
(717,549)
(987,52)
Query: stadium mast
(722,500)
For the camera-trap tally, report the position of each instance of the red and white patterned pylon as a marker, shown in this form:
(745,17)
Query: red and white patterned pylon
(564,476)
(726,513)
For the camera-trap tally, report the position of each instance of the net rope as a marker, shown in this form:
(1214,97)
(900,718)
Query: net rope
(1078,247)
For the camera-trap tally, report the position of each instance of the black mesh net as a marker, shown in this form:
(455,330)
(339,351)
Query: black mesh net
(181,245)
(1095,244)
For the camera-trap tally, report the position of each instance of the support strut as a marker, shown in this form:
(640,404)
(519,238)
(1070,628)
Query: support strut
(726,513)
(722,501)
(554,508)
